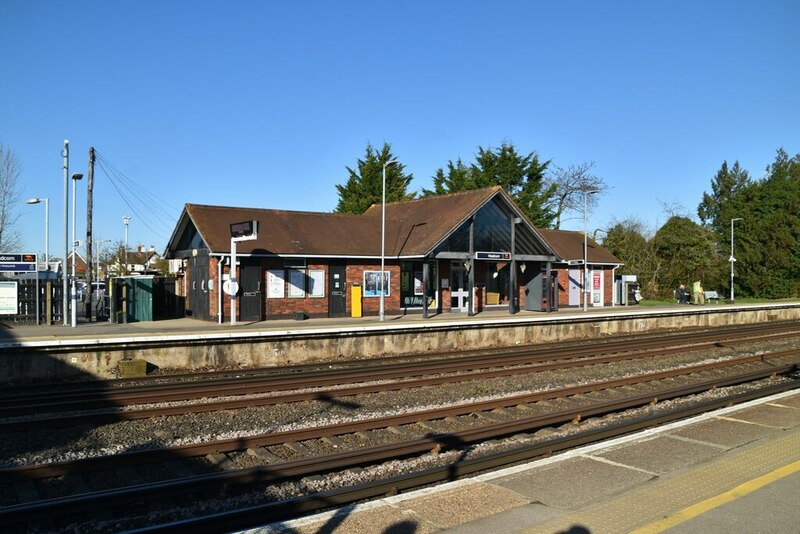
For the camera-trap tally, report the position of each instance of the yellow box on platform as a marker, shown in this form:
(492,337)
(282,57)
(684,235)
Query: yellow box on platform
(355,300)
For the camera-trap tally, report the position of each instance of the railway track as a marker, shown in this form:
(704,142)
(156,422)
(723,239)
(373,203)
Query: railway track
(16,403)
(454,428)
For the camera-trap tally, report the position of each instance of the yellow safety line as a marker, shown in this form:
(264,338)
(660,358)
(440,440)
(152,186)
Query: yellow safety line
(709,504)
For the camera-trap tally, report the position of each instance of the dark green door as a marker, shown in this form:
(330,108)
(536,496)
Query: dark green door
(198,286)
(250,284)
(337,299)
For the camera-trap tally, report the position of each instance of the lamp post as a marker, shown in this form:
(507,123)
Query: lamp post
(46,229)
(126,220)
(513,291)
(65,288)
(732,259)
(586,193)
(75,177)
(383,239)
(46,250)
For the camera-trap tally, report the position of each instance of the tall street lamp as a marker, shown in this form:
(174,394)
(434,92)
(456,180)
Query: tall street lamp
(586,193)
(46,250)
(126,220)
(75,177)
(46,228)
(513,290)
(732,259)
(383,239)
(64,287)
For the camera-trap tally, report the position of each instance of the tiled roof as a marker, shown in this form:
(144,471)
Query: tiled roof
(140,258)
(289,232)
(412,227)
(426,221)
(568,245)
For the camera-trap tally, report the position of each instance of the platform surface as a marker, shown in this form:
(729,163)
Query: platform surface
(15,333)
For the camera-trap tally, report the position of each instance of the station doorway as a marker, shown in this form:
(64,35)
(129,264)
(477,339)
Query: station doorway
(337,300)
(458,287)
(575,287)
(251,277)
(198,290)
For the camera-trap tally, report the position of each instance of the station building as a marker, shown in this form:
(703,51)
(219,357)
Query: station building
(465,252)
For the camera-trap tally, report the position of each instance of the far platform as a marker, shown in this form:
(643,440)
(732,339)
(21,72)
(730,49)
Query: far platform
(12,332)
(54,352)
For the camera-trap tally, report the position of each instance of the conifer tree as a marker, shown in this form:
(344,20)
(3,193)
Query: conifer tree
(364,187)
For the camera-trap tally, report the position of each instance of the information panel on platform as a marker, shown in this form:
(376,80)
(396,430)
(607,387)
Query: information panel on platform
(17,263)
(8,298)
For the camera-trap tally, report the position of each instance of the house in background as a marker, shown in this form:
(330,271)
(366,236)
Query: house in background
(462,253)
(140,261)
(143,261)
(80,264)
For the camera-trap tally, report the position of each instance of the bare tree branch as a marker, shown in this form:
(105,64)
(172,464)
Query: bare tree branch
(570,183)
(9,197)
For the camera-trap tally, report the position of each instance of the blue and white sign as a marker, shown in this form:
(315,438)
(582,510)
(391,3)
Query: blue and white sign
(17,263)
(503,256)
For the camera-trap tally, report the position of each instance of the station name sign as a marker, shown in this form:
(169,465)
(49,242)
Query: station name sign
(244,229)
(15,263)
(503,256)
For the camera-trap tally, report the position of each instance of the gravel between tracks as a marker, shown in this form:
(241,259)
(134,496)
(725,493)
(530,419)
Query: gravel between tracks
(77,442)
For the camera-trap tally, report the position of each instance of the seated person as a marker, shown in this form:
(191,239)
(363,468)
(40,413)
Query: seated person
(682,295)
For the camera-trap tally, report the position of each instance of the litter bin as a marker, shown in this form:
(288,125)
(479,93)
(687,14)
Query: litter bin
(355,300)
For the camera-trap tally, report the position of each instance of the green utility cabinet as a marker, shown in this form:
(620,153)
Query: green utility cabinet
(133,296)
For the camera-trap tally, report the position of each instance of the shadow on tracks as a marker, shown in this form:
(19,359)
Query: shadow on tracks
(29,398)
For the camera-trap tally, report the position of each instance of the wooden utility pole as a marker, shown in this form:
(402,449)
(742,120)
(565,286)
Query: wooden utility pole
(89,263)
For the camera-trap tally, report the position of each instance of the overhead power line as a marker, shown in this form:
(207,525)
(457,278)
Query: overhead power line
(148,208)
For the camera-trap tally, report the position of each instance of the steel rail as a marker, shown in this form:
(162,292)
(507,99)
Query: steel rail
(36,471)
(112,416)
(289,377)
(119,397)
(272,512)
(295,469)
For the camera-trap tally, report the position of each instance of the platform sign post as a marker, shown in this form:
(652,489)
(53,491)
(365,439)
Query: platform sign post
(242,231)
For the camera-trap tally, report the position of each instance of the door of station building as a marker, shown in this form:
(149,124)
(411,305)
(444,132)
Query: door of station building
(598,288)
(337,299)
(458,287)
(198,288)
(575,286)
(250,284)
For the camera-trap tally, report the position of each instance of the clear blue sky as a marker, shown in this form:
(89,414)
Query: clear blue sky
(263,104)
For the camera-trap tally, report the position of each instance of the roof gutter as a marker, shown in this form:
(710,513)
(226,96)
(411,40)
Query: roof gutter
(332,256)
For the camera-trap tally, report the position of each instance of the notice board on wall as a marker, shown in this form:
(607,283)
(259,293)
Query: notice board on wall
(276,285)
(316,283)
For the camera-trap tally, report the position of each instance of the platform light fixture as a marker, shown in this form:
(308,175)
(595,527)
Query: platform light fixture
(586,193)
(46,228)
(126,220)
(732,259)
(64,277)
(381,278)
(513,290)
(73,291)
